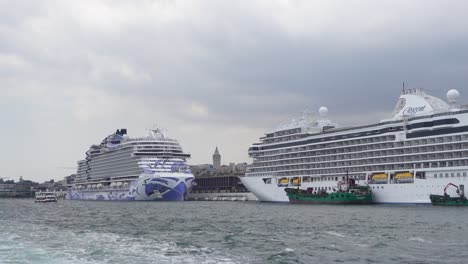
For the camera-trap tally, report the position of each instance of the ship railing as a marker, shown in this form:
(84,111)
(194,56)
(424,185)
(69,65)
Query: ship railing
(152,139)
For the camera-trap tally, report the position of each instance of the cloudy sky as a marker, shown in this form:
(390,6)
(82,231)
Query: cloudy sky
(212,73)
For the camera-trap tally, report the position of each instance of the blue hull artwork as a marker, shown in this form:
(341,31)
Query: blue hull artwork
(149,188)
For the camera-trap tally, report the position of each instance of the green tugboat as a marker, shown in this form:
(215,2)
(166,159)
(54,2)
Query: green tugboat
(447,200)
(348,193)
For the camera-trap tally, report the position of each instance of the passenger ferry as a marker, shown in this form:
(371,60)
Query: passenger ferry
(151,168)
(422,148)
(45,197)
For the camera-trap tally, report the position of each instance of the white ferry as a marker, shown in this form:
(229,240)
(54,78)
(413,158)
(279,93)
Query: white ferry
(417,152)
(151,168)
(45,197)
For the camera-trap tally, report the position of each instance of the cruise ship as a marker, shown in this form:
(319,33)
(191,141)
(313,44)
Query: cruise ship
(151,168)
(404,159)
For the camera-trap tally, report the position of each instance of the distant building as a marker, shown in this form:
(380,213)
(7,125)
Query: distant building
(25,188)
(7,188)
(70,179)
(21,189)
(216,159)
(52,185)
(208,170)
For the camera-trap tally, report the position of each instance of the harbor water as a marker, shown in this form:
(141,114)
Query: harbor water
(229,232)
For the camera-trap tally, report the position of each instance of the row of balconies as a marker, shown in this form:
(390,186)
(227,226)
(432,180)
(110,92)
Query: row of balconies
(397,159)
(364,154)
(390,164)
(402,153)
(337,147)
(376,168)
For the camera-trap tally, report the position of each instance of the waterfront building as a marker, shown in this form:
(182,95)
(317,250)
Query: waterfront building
(219,182)
(210,184)
(7,188)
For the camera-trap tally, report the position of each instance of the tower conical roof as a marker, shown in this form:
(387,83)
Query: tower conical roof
(216,151)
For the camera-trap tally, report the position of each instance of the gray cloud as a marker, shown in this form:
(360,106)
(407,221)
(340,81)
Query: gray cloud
(213,73)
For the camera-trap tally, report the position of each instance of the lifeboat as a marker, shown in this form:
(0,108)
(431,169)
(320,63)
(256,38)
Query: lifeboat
(380,177)
(283,182)
(296,181)
(403,176)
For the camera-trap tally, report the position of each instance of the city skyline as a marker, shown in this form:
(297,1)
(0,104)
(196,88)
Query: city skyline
(210,73)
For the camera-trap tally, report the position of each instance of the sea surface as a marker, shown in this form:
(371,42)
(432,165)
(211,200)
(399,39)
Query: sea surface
(229,232)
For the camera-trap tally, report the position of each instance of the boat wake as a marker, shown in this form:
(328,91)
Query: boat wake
(96,247)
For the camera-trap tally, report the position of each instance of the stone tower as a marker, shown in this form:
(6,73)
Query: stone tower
(216,159)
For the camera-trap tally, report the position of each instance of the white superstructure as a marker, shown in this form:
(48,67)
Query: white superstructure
(124,168)
(417,152)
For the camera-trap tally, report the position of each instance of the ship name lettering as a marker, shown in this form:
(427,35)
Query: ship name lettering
(413,110)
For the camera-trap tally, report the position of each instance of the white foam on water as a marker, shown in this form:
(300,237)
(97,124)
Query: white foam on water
(419,239)
(36,244)
(333,233)
(362,245)
(139,249)
(289,250)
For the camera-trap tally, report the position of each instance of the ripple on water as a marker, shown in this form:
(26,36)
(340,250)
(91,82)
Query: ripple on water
(211,232)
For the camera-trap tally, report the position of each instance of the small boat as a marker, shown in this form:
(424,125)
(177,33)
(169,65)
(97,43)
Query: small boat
(348,193)
(45,197)
(447,200)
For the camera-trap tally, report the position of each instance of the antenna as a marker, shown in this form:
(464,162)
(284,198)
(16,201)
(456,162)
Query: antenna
(403,87)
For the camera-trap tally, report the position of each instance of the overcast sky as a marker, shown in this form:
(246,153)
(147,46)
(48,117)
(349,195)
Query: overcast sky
(212,73)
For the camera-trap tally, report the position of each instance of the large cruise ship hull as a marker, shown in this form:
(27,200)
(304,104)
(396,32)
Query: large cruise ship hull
(145,188)
(416,192)
(417,152)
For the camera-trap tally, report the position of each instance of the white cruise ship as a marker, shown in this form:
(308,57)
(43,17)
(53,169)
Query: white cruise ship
(151,168)
(417,152)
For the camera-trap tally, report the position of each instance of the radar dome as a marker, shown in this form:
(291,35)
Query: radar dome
(323,111)
(452,96)
(125,137)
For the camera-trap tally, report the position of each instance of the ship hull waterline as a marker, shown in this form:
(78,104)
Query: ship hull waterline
(142,189)
(417,192)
